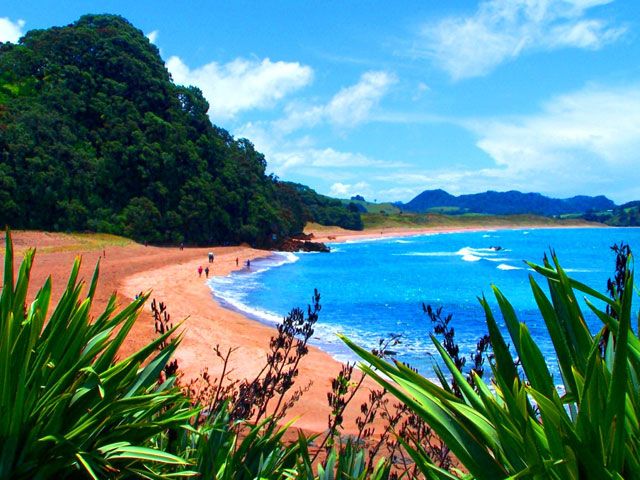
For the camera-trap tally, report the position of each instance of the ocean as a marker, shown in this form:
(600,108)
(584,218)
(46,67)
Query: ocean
(371,289)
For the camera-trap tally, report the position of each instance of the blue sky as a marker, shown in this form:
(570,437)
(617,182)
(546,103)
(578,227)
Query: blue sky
(387,99)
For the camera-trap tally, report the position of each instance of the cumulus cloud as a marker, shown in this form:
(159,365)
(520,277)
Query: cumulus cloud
(242,84)
(501,30)
(153,36)
(303,157)
(348,108)
(11,31)
(584,141)
(343,190)
(591,127)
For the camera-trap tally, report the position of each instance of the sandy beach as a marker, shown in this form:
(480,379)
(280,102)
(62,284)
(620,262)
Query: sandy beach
(171,275)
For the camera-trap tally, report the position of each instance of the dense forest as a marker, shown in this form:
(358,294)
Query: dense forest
(94,135)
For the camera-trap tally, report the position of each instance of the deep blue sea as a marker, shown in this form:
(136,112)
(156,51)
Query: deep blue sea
(371,289)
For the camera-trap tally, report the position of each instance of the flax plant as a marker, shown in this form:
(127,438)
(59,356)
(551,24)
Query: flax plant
(528,423)
(68,406)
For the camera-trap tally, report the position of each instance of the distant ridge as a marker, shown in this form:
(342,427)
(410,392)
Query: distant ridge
(504,203)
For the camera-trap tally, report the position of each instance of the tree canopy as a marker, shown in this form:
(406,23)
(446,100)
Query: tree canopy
(94,135)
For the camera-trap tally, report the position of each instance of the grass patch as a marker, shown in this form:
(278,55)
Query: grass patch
(411,220)
(54,242)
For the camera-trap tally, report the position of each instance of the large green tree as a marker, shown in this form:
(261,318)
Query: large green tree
(94,135)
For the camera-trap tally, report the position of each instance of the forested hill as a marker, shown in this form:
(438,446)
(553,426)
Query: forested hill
(504,203)
(95,136)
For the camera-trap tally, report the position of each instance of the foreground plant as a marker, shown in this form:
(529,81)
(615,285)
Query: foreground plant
(67,405)
(524,425)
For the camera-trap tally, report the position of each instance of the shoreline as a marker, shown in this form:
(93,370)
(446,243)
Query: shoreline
(171,275)
(339,235)
(210,322)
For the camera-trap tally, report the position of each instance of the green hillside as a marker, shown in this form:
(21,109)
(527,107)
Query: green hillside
(94,135)
(627,215)
(371,207)
(432,220)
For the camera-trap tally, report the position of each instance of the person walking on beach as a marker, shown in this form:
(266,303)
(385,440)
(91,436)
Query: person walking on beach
(210,257)
(206,271)
(249,264)
(200,271)
(181,246)
(236,261)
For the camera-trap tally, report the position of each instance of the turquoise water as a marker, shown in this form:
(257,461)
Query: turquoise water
(370,289)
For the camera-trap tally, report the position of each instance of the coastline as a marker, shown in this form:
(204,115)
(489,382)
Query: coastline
(338,235)
(171,275)
(208,323)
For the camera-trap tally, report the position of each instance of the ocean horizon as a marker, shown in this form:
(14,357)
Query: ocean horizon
(374,288)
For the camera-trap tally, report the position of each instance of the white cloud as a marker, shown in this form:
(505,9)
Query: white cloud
(587,141)
(342,190)
(500,30)
(593,123)
(242,84)
(302,157)
(348,108)
(352,105)
(153,36)
(11,31)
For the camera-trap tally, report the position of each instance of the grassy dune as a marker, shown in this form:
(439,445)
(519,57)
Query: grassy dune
(375,221)
(50,242)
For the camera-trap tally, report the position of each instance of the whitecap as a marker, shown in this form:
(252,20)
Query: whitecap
(235,299)
(505,266)
(476,251)
(427,254)
(471,258)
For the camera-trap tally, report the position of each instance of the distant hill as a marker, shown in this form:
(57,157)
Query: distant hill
(370,207)
(504,203)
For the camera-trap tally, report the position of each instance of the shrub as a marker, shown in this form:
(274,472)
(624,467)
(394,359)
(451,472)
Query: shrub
(67,405)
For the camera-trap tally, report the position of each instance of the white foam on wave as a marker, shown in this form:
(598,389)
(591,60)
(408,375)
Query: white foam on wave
(284,258)
(496,259)
(372,239)
(230,292)
(505,266)
(426,254)
(468,254)
(232,289)
(262,315)
(490,254)
(276,260)
(476,251)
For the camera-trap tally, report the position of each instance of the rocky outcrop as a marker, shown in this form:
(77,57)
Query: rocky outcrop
(297,245)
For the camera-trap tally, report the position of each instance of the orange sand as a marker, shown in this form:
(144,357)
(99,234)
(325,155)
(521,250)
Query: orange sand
(171,275)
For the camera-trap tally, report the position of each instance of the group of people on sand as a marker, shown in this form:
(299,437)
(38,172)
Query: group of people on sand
(210,257)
